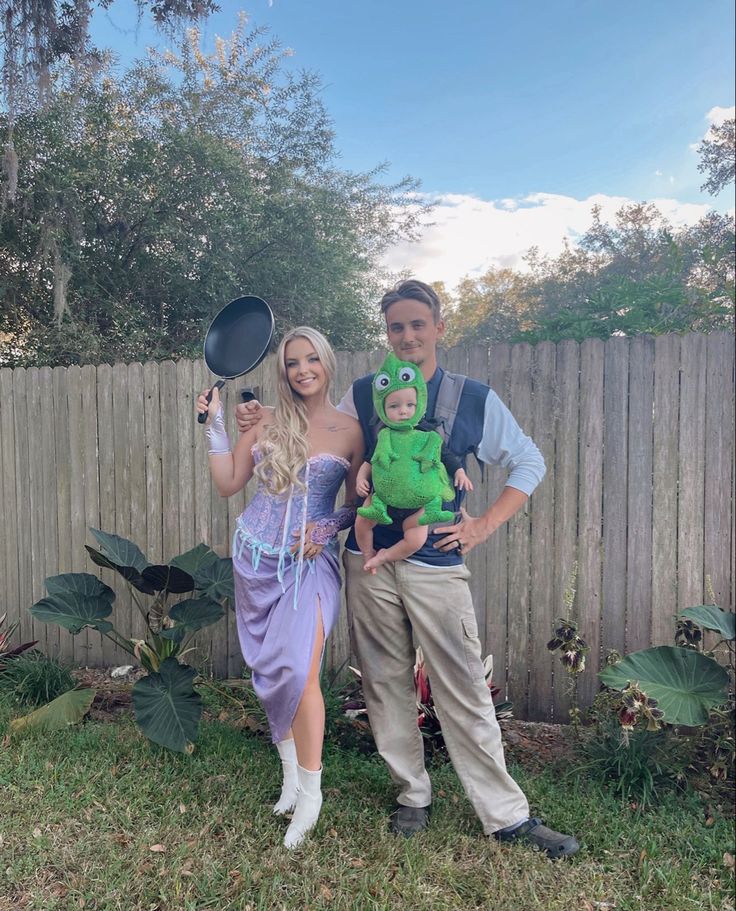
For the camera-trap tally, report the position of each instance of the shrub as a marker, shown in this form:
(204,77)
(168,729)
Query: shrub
(33,679)
(637,766)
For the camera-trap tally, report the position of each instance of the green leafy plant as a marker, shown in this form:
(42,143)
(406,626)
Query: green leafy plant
(69,708)
(33,679)
(6,652)
(638,765)
(686,684)
(649,697)
(167,706)
(427,718)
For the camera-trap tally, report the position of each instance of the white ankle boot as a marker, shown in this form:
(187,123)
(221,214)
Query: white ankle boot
(290,785)
(308,805)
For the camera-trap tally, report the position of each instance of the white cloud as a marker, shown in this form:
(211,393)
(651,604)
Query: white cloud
(466,235)
(717,115)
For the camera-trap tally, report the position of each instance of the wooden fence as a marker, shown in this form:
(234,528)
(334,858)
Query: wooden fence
(635,513)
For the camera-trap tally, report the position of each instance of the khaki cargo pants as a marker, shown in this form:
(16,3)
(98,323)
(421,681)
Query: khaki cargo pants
(403,603)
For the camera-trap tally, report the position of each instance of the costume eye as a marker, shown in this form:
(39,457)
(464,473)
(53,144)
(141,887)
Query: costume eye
(381,381)
(406,374)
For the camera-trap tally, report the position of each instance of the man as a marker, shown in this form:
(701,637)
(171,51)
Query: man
(426,599)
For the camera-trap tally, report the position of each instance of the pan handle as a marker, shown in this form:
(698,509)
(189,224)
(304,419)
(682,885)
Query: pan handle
(202,416)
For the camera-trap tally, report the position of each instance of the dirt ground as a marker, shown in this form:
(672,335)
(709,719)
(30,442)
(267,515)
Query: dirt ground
(533,744)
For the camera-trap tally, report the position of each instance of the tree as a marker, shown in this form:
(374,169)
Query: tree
(147,201)
(492,308)
(37,34)
(718,156)
(635,276)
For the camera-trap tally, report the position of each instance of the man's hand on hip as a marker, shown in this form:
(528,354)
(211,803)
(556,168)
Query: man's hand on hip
(466,534)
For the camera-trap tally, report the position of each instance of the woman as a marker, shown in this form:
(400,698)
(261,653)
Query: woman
(287,579)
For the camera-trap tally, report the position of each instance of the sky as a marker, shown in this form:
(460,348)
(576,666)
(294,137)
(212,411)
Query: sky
(516,117)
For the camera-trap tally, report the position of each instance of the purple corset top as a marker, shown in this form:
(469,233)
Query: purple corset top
(269,520)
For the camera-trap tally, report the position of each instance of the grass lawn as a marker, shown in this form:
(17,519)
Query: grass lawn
(96,818)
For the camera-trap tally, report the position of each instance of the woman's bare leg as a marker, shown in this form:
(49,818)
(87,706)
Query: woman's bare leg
(308,725)
(309,730)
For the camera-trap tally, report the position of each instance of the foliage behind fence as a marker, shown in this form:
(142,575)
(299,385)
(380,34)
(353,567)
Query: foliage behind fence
(637,504)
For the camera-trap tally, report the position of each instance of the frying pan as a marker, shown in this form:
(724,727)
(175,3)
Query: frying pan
(237,340)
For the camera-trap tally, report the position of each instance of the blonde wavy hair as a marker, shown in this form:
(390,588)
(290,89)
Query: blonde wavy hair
(284,443)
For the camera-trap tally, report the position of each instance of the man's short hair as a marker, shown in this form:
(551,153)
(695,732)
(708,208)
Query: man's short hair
(412,289)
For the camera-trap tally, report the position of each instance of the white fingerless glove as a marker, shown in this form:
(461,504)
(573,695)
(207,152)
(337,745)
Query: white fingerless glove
(217,435)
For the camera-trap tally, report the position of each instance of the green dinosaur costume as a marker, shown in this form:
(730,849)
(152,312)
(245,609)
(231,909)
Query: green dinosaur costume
(406,466)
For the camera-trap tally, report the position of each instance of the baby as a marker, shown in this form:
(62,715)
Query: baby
(409,468)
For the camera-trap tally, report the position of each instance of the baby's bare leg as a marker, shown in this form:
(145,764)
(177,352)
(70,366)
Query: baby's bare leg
(414,537)
(364,534)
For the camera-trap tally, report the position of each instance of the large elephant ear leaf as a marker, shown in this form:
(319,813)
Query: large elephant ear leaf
(130,573)
(168,578)
(74,611)
(196,613)
(195,559)
(216,580)
(708,616)
(685,683)
(120,551)
(69,708)
(80,583)
(167,707)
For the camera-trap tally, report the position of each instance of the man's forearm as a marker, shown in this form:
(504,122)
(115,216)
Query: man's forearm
(507,505)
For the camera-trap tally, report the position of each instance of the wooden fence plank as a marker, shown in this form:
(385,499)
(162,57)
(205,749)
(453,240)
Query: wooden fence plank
(496,549)
(137,478)
(124,603)
(615,447)
(565,502)
(664,494)
(106,453)
(63,492)
(588,601)
(75,456)
(201,469)
(5,552)
(212,641)
(154,491)
(693,364)
(50,636)
(719,432)
(519,546)
(35,503)
(186,423)
(169,460)
(95,649)
(12,603)
(542,607)
(23,502)
(639,508)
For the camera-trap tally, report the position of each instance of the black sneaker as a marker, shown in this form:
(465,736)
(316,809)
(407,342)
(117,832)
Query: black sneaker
(407,821)
(554,844)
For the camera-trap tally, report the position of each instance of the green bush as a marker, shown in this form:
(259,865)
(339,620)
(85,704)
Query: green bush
(637,766)
(33,679)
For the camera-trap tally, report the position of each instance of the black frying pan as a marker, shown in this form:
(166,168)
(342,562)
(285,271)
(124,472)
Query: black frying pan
(237,340)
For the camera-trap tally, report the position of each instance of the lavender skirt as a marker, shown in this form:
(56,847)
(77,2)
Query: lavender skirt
(277,630)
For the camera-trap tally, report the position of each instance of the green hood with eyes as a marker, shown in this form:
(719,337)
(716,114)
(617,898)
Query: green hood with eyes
(394,374)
